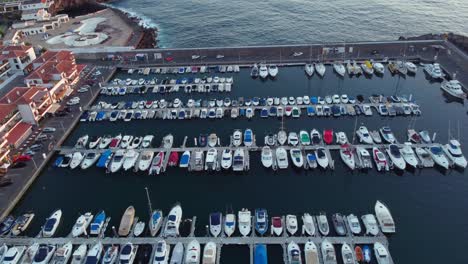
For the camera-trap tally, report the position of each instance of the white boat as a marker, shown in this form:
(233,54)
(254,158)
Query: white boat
(62,254)
(364,136)
(328,252)
(139,228)
(347,155)
(380,160)
(230,224)
(155,222)
(378,67)
(315,137)
(263,71)
(105,141)
(273,70)
(367,68)
(354,225)
(94,254)
(322,223)
(89,159)
(387,134)
(161,252)
(439,157)
(381,253)
(248,137)
(117,161)
(411,67)
(136,142)
(409,156)
(341,138)
(454,153)
(226,159)
(282,137)
(237,138)
(309,69)
(215,223)
(79,254)
(434,70)
(311,253)
(339,68)
(245,222)
(322,158)
(267,157)
(212,140)
(276,226)
(145,159)
(110,255)
(320,69)
(51,224)
(171,229)
(293,139)
(44,254)
(291,224)
(168,140)
(94,142)
(128,253)
(308,226)
(13,255)
(30,253)
(211,160)
(192,252)
(130,158)
(347,254)
(453,88)
(147,140)
(294,253)
(76,160)
(282,158)
(82,141)
(82,224)
(370,223)
(396,157)
(238,160)
(425,157)
(126,140)
(384,217)
(296,157)
(157,164)
(209,253)
(177,254)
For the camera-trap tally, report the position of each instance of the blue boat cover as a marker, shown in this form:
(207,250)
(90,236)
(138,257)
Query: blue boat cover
(260,254)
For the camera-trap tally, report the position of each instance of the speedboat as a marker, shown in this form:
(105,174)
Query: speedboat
(161,252)
(155,222)
(347,155)
(339,68)
(126,222)
(378,67)
(381,253)
(254,71)
(211,160)
(145,159)
(22,223)
(229,224)
(171,229)
(305,138)
(44,254)
(130,158)
(215,223)
(126,140)
(62,254)
(293,139)
(294,253)
(238,160)
(322,223)
(51,224)
(425,137)
(425,157)
(261,221)
(359,254)
(263,71)
(114,143)
(315,136)
(185,159)
(192,252)
(414,136)
(156,164)
(308,226)
(168,140)
(387,134)
(454,153)
(354,225)
(367,67)
(209,253)
(139,228)
(104,142)
(128,253)
(347,254)
(245,222)
(328,136)
(291,224)
(411,67)
(453,88)
(322,158)
(89,159)
(395,155)
(30,253)
(6,225)
(320,69)
(267,157)
(248,137)
(328,252)
(237,138)
(375,135)
(370,223)
(76,160)
(97,223)
(311,253)
(177,254)
(212,140)
(94,254)
(309,69)
(364,136)
(296,157)
(409,156)
(270,139)
(276,226)
(339,224)
(434,70)
(367,254)
(311,160)
(282,137)
(82,141)
(282,158)
(147,140)
(226,159)
(79,254)
(341,138)
(380,160)
(13,255)
(384,217)
(117,161)
(82,224)
(438,156)
(94,142)
(273,70)
(364,158)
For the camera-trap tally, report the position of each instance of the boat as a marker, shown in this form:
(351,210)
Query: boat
(260,254)
(282,158)
(454,88)
(322,223)
(168,140)
(347,254)
(254,71)
(237,138)
(381,253)
(380,160)
(315,136)
(424,157)
(144,161)
(273,70)
(22,223)
(367,254)
(438,156)
(320,69)
(261,221)
(276,226)
(291,224)
(454,153)
(311,254)
(126,221)
(296,157)
(341,138)
(161,252)
(409,156)
(248,137)
(62,254)
(226,159)
(411,67)
(309,69)
(155,222)
(97,223)
(128,253)
(311,160)
(387,135)
(282,137)
(156,164)
(339,224)
(367,67)
(211,161)
(139,228)
(6,225)
(339,68)
(322,158)
(294,253)
(245,222)
(238,160)
(263,71)
(370,223)
(192,252)
(177,254)
(51,224)
(76,160)
(293,139)
(215,223)
(375,135)
(129,159)
(30,253)
(105,142)
(13,255)
(185,159)
(308,226)
(384,217)
(117,161)
(94,254)
(110,255)
(209,253)
(171,229)
(44,254)
(425,137)
(82,224)
(354,225)
(434,70)
(94,142)
(212,140)
(126,141)
(378,68)
(395,155)
(414,136)
(267,157)
(347,155)
(229,224)
(364,136)
(328,252)
(147,140)
(358,253)
(89,159)
(82,141)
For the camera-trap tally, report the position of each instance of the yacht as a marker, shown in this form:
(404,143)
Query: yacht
(291,224)
(171,229)
(63,254)
(387,135)
(126,221)
(273,70)
(192,252)
(76,160)
(323,225)
(211,160)
(364,158)
(294,253)
(276,226)
(328,253)
(215,223)
(434,70)
(453,88)
(347,254)
(308,226)
(263,71)
(145,159)
(226,159)
(229,224)
(282,158)
(370,223)
(94,254)
(13,255)
(177,254)
(347,155)
(156,164)
(378,67)
(293,139)
(130,158)
(82,224)
(311,253)
(380,160)
(237,138)
(454,153)
(267,157)
(161,252)
(309,69)
(339,224)
(110,256)
(339,68)
(89,159)
(296,157)
(128,253)
(238,160)
(364,136)
(438,156)
(261,221)
(396,157)
(354,225)
(245,222)
(320,69)
(209,253)
(381,253)
(409,156)
(44,254)
(248,137)
(51,224)
(384,217)
(322,158)
(79,254)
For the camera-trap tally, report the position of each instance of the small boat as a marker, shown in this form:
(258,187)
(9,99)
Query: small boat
(273,70)
(322,158)
(226,159)
(375,135)
(315,137)
(339,69)
(192,252)
(7,225)
(156,164)
(282,137)
(261,221)
(94,254)
(347,155)
(312,160)
(434,70)
(414,136)
(248,137)
(294,253)
(238,162)
(171,229)
(105,142)
(291,224)
(378,68)
(30,253)
(260,253)
(339,224)
(347,254)
(139,228)
(128,253)
(161,252)
(168,140)
(185,159)
(328,252)
(358,253)
(320,69)
(94,142)
(177,254)
(367,254)
(117,161)
(309,69)
(12,255)
(212,140)
(76,160)
(387,135)
(155,222)
(267,157)
(215,224)
(341,138)
(21,224)
(293,139)
(364,136)
(380,160)
(282,158)
(454,153)
(126,221)
(322,222)
(82,141)
(425,137)
(296,157)
(129,159)
(245,222)
(276,226)
(395,155)
(439,157)
(311,253)
(44,254)
(209,253)
(367,67)
(82,224)
(97,224)
(89,159)
(263,71)
(144,161)
(381,253)
(62,254)
(308,226)
(354,224)
(304,137)
(370,223)
(126,140)
(384,217)
(237,138)
(51,224)
(229,224)
(409,156)
(211,159)
(425,157)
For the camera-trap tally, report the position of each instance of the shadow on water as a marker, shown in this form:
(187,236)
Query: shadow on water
(235,254)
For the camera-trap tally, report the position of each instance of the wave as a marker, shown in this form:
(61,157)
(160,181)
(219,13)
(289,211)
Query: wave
(143,20)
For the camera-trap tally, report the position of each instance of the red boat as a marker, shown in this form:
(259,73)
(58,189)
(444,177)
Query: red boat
(115,141)
(276,225)
(22,158)
(328,136)
(173,159)
(359,254)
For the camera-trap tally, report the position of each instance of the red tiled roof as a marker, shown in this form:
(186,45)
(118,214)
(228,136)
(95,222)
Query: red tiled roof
(53,63)
(5,110)
(19,95)
(18,132)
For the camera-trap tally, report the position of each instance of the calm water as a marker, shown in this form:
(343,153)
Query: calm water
(204,23)
(428,204)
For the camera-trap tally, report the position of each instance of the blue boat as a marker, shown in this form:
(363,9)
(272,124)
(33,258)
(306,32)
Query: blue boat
(367,253)
(202,140)
(6,225)
(264,113)
(102,162)
(273,111)
(310,110)
(128,105)
(114,114)
(137,115)
(255,101)
(181,70)
(260,254)
(84,116)
(100,116)
(211,113)
(58,161)
(314,100)
(190,80)
(122,90)
(248,137)
(248,102)
(343,110)
(242,112)
(155,222)
(182,114)
(262,101)
(261,221)
(96,226)
(335,110)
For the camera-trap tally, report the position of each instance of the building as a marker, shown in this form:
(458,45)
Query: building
(16,59)
(39,25)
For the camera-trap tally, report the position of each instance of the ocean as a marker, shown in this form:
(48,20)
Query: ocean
(208,23)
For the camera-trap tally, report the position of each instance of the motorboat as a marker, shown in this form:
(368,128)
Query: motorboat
(215,223)
(254,71)
(273,70)
(51,224)
(414,136)
(328,252)
(226,159)
(28,257)
(89,159)
(261,221)
(339,224)
(282,158)
(323,225)
(104,142)
(130,158)
(97,224)
(94,142)
(13,255)
(94,254)
(63,254)
(408,155)
(370,223)
(229,224)
(384,217)
(211,161)
(6,225)
(276,226)
(364,136)
(185,159)
(359,254)
(291,224)
(320,69)
(375,135)
(296,157)
(434,70)
(248,137)
(192,252)
(22,223)
(76,160)
(354,225)
(168,140)
(364,158)
(293,139)
(126,140)
(347,254)
(177,254)
(212,140)
(387,134)
(380,160)
(267,157)
(161,252)
(424,157)
(209,253)
(322,158)
(128,253)
(311,160)
(396,157)
(454,153)
(309,69)
(238,160)
(308,226)
(145,159)
(438,156)
(367,254)
(263,71)
(199,157)
(339,69)
(294,253)
(114,143)
(171,229)
(117,161)
(311,254)
(425,137)
(82,224)
(454,88)
(155,222)
(139,228)
(347,155)
(367,67)
(82,141)
(315,136)
(270,139)
(147,140)
(378,68)
(245,222)
(44,254)
(237,138)
(157,163)
(282,137)
(126,222)
(304,137)
(381,253)
(401,67)
(79,254)
(341,138)
(328,136)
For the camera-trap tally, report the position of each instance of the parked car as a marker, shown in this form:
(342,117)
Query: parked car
(73,101)
(48,130)
(36,147)
(41,137)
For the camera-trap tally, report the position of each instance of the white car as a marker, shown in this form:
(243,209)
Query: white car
(74,101)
